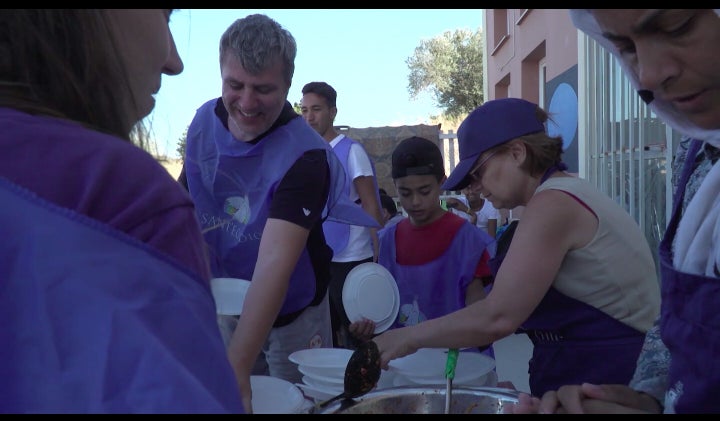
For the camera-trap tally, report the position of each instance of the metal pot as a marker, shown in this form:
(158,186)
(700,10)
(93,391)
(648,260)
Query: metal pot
(426,400)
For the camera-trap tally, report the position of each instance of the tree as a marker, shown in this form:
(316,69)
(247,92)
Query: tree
(450,67)
(181,144)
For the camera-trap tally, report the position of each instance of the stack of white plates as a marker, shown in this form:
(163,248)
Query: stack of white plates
(272,395)
(370,292)
(323,371)
(427,367)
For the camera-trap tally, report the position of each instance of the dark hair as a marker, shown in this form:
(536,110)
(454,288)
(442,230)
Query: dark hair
(388,203)
(322,89)
(417,156)
(65,63)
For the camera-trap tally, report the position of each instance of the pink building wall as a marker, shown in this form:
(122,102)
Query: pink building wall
(532,36)
(519,44)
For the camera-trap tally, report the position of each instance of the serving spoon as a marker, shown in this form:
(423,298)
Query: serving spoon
(361,373)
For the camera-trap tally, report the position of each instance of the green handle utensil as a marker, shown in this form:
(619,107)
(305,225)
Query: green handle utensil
(450,375)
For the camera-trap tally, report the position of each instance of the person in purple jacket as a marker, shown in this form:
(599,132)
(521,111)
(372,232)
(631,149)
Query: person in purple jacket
(105,302)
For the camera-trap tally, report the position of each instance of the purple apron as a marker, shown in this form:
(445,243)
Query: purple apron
(95,321)
(574,342)
(690,322)
(337,234)
(232,184)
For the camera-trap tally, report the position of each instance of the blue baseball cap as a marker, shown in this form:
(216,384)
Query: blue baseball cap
(489,125)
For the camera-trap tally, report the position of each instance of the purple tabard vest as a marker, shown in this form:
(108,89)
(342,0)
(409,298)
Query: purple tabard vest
(690,322)
(94,321)
(232,184)
(338,234)
(435,288)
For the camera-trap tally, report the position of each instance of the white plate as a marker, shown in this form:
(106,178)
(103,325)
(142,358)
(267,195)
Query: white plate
(315,393)
(320,385)
(335,379)
(428,365)
(332,358)
(370,292)
(229,295)
(271,395)
(406,380)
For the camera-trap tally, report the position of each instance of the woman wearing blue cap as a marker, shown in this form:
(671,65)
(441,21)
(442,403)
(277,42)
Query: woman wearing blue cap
(578,278)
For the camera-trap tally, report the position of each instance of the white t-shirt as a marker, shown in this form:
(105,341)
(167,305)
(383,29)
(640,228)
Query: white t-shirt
(360,242)
(487,212)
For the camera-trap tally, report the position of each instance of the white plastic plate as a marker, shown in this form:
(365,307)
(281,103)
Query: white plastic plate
(370,292)
(427,366)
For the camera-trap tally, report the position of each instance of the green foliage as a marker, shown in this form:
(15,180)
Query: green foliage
(181,144)
(450,68)
(297,107)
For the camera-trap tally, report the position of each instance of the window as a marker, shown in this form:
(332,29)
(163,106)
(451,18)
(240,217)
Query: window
(628,149)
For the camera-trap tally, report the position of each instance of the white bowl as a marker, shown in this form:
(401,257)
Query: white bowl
(337,378)
(229,295)
(486,380)
(332,358)
(271,395)
(427,365)
(315,393)
(322,385)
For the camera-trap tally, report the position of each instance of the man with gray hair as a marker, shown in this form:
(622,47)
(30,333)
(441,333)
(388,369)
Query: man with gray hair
(263,181)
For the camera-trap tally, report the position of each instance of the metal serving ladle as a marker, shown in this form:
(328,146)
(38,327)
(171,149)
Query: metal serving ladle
(361,373)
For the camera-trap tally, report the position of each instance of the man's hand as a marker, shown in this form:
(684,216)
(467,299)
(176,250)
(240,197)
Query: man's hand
(363,329)
(589,399)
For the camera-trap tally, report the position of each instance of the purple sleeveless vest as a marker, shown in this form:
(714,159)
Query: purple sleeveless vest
(690,322)
(232,184)
(95,321)
(338,234)
(438,287)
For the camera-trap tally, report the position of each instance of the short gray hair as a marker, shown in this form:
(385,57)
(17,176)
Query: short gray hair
(257,41)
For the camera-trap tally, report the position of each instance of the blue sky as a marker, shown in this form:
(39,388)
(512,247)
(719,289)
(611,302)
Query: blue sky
(360,52)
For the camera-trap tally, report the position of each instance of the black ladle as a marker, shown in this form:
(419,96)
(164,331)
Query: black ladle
(361,373)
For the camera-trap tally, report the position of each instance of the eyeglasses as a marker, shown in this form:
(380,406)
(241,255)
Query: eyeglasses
(476,174)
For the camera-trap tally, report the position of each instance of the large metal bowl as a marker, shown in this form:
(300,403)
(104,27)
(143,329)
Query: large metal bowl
(426,400)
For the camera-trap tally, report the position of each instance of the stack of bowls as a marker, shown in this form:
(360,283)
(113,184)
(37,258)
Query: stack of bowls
(323,371)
